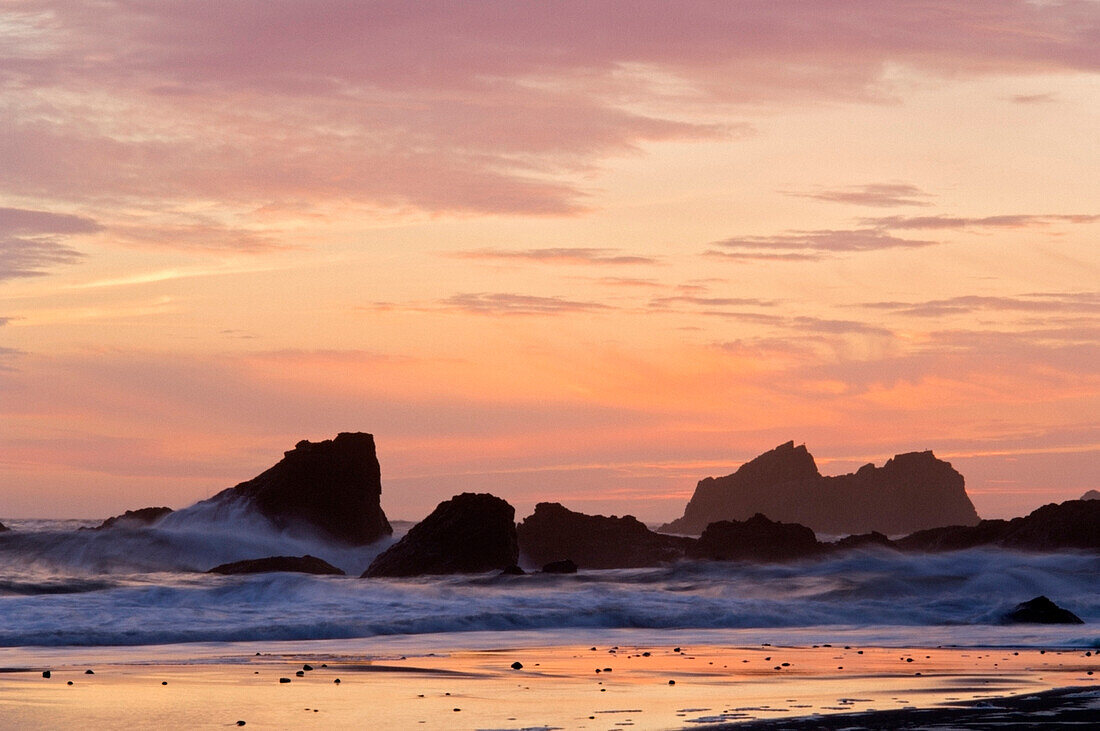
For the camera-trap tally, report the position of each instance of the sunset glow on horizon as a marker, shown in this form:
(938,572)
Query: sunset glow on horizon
(580,252)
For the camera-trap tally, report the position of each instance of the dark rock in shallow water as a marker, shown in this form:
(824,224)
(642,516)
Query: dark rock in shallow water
(564,566)
(512,570)
(134,518)
(301,564)
(864,540)
(1041,610)
(910,492)
(594,541)
(755,539)
(1072,524)
(3,528)
(470,533)
(334,485)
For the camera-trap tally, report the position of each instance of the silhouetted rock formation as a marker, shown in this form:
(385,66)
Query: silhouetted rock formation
(863,540)
(553,532)
(334,485)
(1091,495)
(1072,524)
(470,533)
(564,566)
(1041,610)
(301,564)
(135,518)
(910,492)
(755,539)
(3,528)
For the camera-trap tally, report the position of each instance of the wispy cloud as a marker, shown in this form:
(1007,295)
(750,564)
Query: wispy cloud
(1058,303)
(810,245)
(32,241)
(500,303)
(565,255)
(960,222)
(880,195)
(1034,98)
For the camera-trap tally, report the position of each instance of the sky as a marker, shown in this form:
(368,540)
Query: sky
(586,252)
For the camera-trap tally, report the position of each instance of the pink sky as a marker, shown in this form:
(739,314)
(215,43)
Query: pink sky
(574,251)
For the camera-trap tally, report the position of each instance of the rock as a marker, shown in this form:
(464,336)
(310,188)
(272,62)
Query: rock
(46,673)
(1041,610)
(517,665)
(756,539)
(512,570)
(470,533)
(910,492)
(134,518)
(864,540)
(301,564)
(284,680)
(1074,524)
(4,528)
(565,566)
(334,485)
(1091,495)
(594,541)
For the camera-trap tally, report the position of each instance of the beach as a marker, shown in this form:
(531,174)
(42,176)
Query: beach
(407,682)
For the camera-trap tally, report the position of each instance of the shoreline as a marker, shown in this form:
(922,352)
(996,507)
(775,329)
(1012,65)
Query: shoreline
(576,685)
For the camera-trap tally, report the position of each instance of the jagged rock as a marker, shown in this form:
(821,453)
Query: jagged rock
(1041,610)
(512,570)
(301,564)
(564,566)
(1091,495)
(334,485)
(864,540)
(755,539)
(594,541)
(1072,524)
(910,492)
(3,528)
(470,533)
(134,518)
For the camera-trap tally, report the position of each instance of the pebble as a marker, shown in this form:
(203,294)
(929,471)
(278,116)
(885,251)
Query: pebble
(301,673)
(337,681)
(307,667)
(241,723)
(672,682)
(46,673)
(89,671)
(70,682)
(164,682)
(517,665)
(284,680)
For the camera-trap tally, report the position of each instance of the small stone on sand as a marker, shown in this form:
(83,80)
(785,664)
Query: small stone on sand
(672,682)
(284,680)
(45,673)
(337,681)
(307,667)
(300,673)
(241,723)
(89,671)
(70,682)
(517,665)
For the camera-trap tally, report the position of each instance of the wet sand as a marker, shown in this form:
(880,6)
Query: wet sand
(571,687)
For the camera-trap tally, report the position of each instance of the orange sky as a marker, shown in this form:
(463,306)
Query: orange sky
(558,251)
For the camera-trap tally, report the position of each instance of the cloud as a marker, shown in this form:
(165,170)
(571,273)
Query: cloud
(32,241)
(556,256)
(1034,98)
(491,108)
(960,222)
(664,302)
(516,304)
(810,245)
(872,194)
(1056,303)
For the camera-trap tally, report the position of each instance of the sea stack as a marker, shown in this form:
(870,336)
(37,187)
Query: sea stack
(468,534)
(334,486)
(554,532)
(910,492)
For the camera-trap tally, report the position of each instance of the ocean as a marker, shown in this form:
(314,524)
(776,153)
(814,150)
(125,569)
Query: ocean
(64,585)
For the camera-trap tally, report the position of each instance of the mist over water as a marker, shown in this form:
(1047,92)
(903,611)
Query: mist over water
(138,586)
